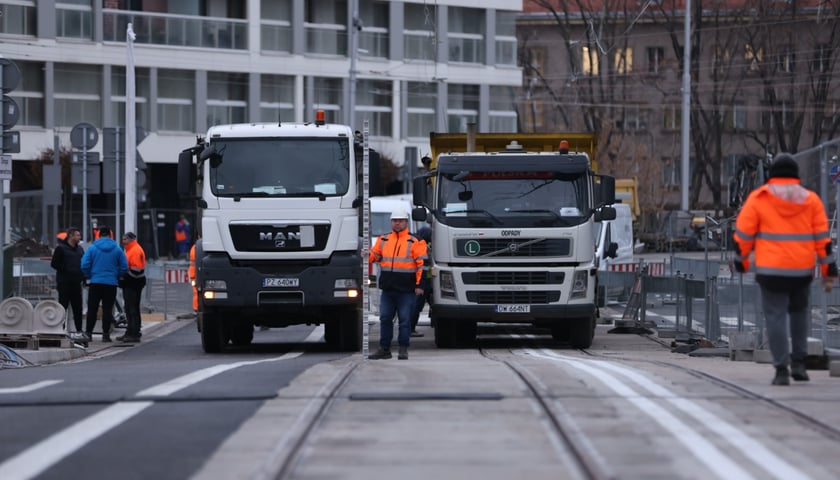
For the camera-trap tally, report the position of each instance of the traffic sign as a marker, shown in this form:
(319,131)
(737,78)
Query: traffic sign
(11,141)
(84,136)
(11,74)
(5,167)
(79,157)
(11,112)
(93,177)
(834,174)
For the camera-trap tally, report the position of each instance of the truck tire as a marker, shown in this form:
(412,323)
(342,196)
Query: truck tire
(241,334)
(560,332)
(465,333)
(213,338)
(581,332)
(344,331)
(446,333)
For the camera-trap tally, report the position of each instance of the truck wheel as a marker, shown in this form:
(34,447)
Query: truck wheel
(581,332)
(213,337)
(560,332)
(465,333)
(241,334)
(446,333)
(344,332)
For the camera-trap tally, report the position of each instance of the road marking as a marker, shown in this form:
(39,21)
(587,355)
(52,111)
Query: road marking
(749,447)
(30,388)
(703,450)
(38,458)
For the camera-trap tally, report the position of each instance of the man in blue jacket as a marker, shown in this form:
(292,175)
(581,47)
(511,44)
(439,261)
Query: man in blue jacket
(103,264)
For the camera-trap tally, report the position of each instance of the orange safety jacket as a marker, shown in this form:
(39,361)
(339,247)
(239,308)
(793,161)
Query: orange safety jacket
(401,257)
(136,259)
(785,225)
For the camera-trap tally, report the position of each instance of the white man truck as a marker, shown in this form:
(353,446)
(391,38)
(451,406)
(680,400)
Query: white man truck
(513,233)
(279,208)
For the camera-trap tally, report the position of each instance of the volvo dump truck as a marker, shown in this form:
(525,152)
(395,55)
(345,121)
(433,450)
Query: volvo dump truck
(513,233)
(279,208)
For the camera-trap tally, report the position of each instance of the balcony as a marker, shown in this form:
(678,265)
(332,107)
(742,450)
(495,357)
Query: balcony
(420,45)
(176,30)
(373,42)
(276,36)
(466,48)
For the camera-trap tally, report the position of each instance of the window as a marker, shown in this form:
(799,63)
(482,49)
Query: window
(505,38)
(771,114)
(373,102)
(74,19)
(176,93)
(822,59)
(422,100)
(325,22)
(141,95)
(29,95)
(672,117)
(419,34)
(276,25)
(632,118)
(533,65)
(373,39)
(327,97)
(466,35)
(735,118)
(20,18)
(753,56)
(656,56)
(277,96)
(227,98)
(787,60)
(502,112)
(623,61)
(670,172)
(77,97)
(463,104)
(589,61)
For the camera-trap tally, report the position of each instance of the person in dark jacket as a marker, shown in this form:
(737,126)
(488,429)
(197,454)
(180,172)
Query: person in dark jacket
(424,234)
(400,256)
(67,262)
(103,264)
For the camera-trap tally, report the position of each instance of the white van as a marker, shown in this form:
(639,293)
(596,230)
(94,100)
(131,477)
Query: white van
(380,213)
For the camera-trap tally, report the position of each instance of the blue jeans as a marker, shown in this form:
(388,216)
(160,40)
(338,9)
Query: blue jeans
(402,304)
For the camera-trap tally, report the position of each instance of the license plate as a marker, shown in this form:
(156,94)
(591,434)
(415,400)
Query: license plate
(280,282)
(513,309)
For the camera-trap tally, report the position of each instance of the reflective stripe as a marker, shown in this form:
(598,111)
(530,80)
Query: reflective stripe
(821,235)
(786,237)
(744,236)
(785,272)
(402,270)
(826,260)
(741,258)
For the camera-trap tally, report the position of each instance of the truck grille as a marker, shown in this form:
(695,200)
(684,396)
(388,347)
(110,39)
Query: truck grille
(512,278)
(529,298)
(507,247)
(279,238)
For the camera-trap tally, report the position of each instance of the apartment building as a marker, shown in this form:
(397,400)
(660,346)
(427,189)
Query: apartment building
(421,66)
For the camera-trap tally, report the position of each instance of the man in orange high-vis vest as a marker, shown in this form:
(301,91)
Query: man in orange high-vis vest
(784,226)
(191,273)
(400,256)
(132,285)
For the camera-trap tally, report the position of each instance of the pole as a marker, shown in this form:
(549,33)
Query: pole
(117,231)
(130,138)
(2,207)
(686,106)
(354,53)
(84,187)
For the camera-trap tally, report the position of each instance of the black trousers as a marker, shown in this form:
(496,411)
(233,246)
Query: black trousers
(131,298)
(106,294)
(70,293)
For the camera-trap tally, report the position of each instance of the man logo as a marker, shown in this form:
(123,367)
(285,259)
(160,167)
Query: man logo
(279,238)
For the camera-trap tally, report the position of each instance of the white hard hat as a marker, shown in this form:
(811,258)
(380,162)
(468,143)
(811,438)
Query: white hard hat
(399,213)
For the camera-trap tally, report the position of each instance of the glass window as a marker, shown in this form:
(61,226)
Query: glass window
(276,25)
(502,109)
(624,61)
(463,105)
(227,98)
(422,100)
(176,94)
(419,35)
(466,35)
(74,19)
(77,97)
(326,26)
(29,95)
(589,61)
(373,102)
(505,38)
(19,19)
(277,98)
(327,97)
(655,59)
(276,9)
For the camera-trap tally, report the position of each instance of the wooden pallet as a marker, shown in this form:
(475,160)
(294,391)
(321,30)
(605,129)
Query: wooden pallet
(20,341)
(54,340)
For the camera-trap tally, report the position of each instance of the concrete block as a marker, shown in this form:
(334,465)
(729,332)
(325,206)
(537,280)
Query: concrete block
(762,356)
(834,368)
(741,355)
(815,346)
(742,341)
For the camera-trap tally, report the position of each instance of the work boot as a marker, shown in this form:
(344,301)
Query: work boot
(106,338)
(403,355)
(415,333)
(380,355)
(129,339)
(782,376)
(798,372)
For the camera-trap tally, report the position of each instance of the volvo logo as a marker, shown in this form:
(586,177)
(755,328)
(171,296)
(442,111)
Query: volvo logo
(513,247)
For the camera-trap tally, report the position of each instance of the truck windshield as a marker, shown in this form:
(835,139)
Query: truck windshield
(513,199)
(281,167)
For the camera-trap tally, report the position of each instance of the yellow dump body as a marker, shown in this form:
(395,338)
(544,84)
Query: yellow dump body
(497,142)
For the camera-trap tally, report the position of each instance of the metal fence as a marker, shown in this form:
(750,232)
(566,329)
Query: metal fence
(704,298)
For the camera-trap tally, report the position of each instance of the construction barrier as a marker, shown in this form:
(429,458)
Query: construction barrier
(16,316)
(48,318)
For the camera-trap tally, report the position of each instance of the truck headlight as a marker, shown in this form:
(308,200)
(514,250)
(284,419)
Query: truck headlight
(215,285)
(580,284)
(346,288)
(446,281)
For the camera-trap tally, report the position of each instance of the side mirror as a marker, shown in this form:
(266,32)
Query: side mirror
(605,192)
(420,187)
(605,213)
(418,214)
(186,174)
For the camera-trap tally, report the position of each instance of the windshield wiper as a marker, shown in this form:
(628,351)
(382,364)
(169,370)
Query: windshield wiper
(246,194)
(495,218)
(321,195)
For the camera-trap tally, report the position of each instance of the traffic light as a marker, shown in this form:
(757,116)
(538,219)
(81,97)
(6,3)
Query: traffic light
(9,79)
